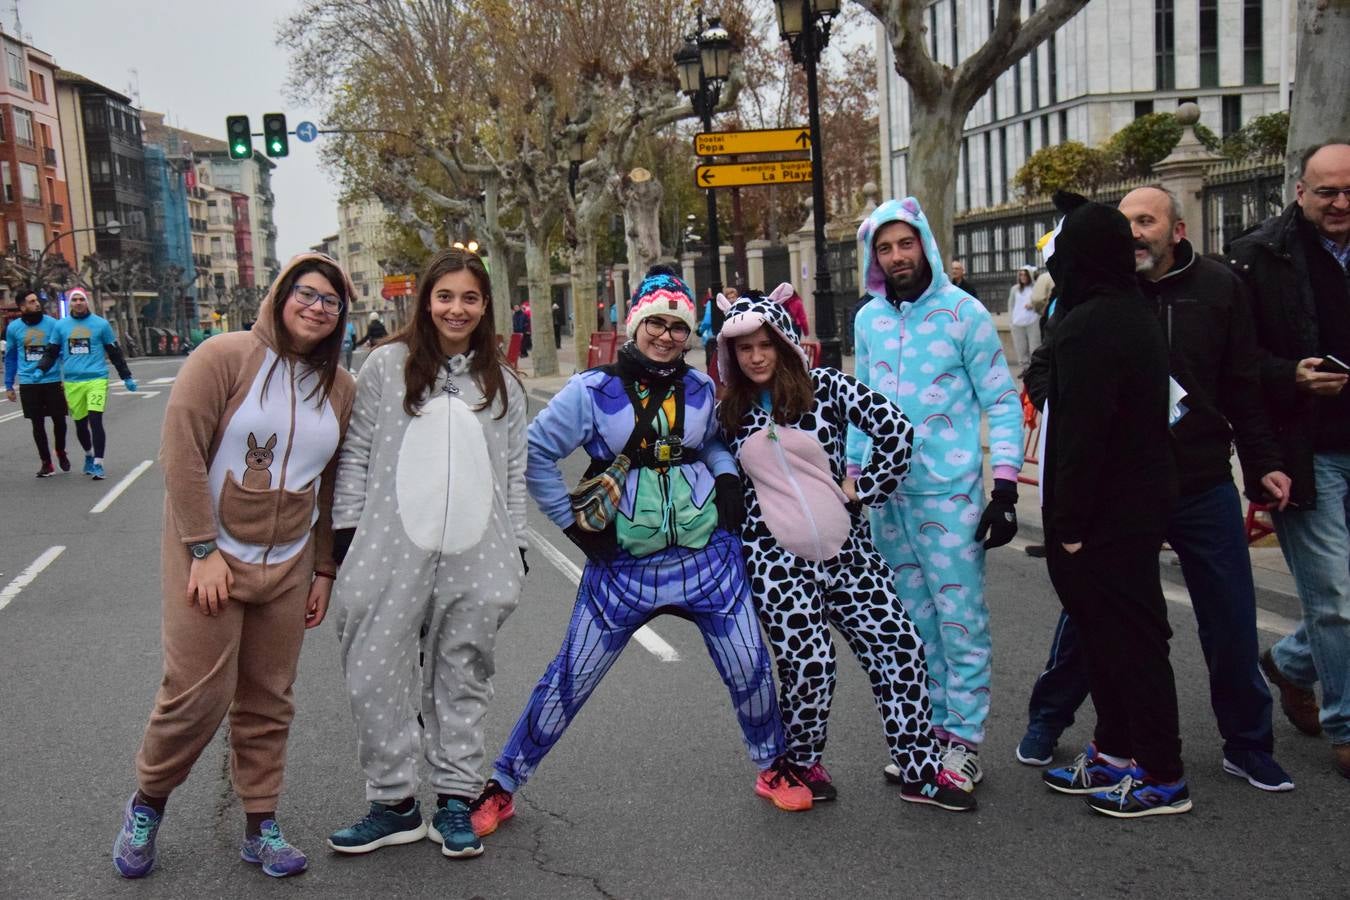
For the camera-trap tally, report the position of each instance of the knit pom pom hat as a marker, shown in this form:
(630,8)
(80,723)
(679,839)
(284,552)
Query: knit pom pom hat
(661,293)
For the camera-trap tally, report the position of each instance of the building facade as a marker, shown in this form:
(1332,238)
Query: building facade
(1113,62)
(361,241)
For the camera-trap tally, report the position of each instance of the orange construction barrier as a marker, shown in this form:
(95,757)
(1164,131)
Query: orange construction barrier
(1031,424)
(1258,522)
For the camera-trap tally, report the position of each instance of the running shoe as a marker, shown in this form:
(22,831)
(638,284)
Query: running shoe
(272,851)
(493,807)
(134,850)
(1259,768)
(96,471)
(46,471)
(1089,774)
(1136,797)
(782,784)
(956,757)
(381,827)
(1036,749)
(88,464)
(62,460)
(817,778)
(947,790)
(452,828)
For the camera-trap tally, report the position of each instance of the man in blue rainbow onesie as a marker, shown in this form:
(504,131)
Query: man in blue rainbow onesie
(933,349)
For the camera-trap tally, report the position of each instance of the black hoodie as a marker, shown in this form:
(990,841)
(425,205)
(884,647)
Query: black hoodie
(1109,466)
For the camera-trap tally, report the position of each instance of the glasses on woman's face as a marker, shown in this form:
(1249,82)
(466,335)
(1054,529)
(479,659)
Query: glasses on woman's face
(655,328)
(330,303)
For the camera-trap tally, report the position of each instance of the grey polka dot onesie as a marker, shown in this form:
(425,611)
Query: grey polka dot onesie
(438,503)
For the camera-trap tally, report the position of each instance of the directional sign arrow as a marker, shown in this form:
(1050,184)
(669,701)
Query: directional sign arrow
(787,171)
(804,139)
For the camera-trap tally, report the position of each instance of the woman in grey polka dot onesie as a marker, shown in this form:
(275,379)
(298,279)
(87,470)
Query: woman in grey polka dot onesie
(430,500)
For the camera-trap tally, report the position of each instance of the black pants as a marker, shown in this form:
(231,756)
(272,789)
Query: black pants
(1113,592)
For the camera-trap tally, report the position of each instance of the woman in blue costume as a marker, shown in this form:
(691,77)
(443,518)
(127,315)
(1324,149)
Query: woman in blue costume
(669,546)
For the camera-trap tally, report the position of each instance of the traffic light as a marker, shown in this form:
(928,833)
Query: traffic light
(274,134)
(240,136)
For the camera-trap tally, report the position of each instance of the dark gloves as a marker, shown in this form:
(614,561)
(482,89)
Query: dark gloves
(730,499)
(599,546)
(342,542)
(999,521)
(523,561)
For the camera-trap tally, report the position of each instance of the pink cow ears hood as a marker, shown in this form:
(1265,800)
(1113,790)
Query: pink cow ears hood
(745,316)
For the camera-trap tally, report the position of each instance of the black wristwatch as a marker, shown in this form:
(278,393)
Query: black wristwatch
(202,550)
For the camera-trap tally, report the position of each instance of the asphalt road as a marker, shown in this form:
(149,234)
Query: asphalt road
(649,794)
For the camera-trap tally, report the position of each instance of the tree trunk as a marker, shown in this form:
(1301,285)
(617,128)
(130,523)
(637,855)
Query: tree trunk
(583,295)
(642,224)
(500,271)
(934,152)
(1321,105)
(537,277)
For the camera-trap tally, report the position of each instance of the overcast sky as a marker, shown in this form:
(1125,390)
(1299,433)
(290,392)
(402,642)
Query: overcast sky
(197,62)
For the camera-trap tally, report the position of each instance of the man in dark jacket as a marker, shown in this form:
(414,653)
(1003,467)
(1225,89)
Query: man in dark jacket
(1207,325)
(1108,490)
(1296,266)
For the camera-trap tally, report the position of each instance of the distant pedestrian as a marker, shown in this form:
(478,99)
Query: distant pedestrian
(41,394)
(375,332)
(520,324)
(557,325)
(791,301)
(250,437)
(1026,321)
(349,342)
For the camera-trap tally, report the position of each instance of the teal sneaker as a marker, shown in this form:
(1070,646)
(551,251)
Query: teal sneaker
(271,851)
(134,850)
(96,471)
(381,827)
(88,464)
(452,828)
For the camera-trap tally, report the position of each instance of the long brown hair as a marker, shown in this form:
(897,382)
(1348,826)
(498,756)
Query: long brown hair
(324,357)
(425,356)
(791,392)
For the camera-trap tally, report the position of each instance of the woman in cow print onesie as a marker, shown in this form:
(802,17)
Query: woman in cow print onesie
(808,546)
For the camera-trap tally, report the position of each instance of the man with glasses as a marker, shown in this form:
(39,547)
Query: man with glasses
(1296,266)
(80,341)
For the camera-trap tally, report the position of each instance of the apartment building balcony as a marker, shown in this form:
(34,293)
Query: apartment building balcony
(49,157)
(58,213)
(201,260)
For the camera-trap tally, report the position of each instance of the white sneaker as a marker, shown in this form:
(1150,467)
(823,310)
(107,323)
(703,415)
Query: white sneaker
(957,758)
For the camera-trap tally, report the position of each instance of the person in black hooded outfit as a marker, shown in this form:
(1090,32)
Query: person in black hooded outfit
(1109,486)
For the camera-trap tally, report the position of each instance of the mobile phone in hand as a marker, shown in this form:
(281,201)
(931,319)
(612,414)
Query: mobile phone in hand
(1333,366)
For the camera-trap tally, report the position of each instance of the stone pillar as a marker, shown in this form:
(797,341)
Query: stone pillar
(754,261)
(688,268)
(726,262)
(620,292)
(1183,173)
(871,195)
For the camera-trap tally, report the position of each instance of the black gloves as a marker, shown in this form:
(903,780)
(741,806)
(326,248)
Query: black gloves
(730,499)
(599,546)
(523,561)
(999,521)
(342,542)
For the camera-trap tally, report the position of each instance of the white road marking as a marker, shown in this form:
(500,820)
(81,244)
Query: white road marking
(9,416)
(146,394)
(168,380)
(25,578)
(121,486)
(652,642)
(1274,623)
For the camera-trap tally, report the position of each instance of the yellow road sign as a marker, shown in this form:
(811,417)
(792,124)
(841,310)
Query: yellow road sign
(752,174)
(764,140)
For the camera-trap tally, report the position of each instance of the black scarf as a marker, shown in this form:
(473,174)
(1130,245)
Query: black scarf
(634,365)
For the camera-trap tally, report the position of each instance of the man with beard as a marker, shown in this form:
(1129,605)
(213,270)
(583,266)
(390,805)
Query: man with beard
(40,392)
(1213,356)
(932,348)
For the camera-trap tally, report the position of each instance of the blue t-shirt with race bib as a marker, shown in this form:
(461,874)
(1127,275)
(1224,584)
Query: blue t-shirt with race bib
(24,346)
(84,344)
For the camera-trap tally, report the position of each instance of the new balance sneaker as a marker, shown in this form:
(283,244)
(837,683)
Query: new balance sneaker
(948,790)
(381,827)
(1299,703)
(493,807)
(96,471)
(1088,774)
(272,851)
(1036,749)
(1133,798)
(134,849)
(46,471)
(817,778)
(62,460)
(452,828)
(956,757)
(782,784)
(88,464)
(1259,768)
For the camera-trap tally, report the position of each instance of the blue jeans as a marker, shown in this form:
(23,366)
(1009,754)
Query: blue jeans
(1316,544)
(1207,534)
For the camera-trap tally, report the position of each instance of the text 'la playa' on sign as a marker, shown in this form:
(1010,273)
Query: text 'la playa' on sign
(751,174)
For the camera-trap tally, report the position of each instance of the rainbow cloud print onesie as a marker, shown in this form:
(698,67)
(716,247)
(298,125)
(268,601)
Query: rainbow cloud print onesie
(940,359)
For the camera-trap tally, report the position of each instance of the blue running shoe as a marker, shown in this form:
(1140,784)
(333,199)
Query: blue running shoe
(1136,797)
(271,851)
(453,830)
(1088,774)
(381,827)
(134,850)
(88,465)
(96,471)
(1259,768)
(1036,749)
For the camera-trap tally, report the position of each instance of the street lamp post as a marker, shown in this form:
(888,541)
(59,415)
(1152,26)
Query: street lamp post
(805,25)
(703,65)
(112,227)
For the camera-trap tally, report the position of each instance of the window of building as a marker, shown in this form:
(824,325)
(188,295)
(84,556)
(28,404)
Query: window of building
(1003,163)
(1232,114)
(1026,139)
(1209,43)
(932,31)
(3,131)
(13,232)
(956,43)
(1052,67)
(993,16)
(16,70)
(39,86)
(1045,131)
(37,237)
(7,175)
(1143,108)
(1035,57)
(965,170)
(988,168)
(100,168)
(29,184)
(1063,125)
(23,127)
(1252,63)
(1164,45)
(1017,88)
